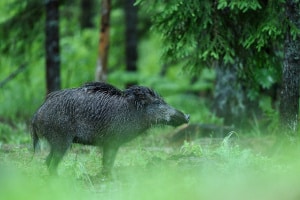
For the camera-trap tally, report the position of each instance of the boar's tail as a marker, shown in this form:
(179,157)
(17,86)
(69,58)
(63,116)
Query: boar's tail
(34,135)
(35,139)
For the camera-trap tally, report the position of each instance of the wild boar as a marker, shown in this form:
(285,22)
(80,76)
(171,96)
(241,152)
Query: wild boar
(99,114)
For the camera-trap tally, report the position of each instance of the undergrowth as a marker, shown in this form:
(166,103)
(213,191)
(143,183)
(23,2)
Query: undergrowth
(200,169)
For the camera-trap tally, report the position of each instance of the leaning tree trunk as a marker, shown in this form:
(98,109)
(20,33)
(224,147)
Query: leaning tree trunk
(101,68)
(131,37)
(52,46)
(289,105)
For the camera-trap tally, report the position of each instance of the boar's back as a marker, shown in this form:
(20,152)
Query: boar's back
(94,87)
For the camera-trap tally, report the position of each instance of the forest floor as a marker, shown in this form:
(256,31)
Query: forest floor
(207,168)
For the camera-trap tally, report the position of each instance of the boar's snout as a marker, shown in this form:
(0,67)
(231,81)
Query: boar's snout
(179,118)
(187,117)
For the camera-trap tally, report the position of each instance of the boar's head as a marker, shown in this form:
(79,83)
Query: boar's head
(155,110)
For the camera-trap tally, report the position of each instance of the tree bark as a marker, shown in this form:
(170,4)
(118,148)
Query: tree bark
(101,69)
(52,46)
(87,13)
(289,103)
(131,35)
(229,98)
(131,38)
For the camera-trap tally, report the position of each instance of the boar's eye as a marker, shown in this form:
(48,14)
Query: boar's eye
(157,101)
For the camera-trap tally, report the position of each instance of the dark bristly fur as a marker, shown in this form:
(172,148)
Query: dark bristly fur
(102,87)
(99,114)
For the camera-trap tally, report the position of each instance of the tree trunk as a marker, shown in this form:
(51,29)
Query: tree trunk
(87,13)
(289,105)
(131,35)
(52,46)
(229,98)
(101,69)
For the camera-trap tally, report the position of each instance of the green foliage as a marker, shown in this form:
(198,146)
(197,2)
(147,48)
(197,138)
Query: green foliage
(147,164)
(240,5)
(191,171)
(78,61)
(18,22)
(194,33)
(16,134)
(21,96)
(191,149)
(182,45)
(200,34)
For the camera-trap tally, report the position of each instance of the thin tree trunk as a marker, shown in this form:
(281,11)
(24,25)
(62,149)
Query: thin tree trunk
(101,69)
(289,105)
(52,46)
(131,35)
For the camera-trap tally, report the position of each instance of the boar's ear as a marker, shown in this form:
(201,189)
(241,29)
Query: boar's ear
(137,96)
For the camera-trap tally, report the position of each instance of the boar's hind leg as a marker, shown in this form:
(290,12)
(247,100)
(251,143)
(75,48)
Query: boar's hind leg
(109,155)
(55,156)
